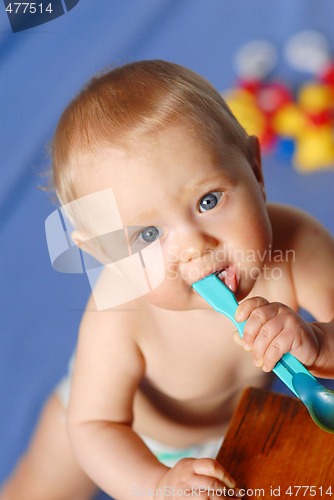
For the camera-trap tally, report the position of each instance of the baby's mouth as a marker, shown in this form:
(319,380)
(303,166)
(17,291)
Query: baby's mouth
(228,276)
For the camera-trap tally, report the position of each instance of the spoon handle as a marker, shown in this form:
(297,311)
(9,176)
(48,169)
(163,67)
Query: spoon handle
(222,299)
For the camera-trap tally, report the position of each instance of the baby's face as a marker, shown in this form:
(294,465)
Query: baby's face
(209,214)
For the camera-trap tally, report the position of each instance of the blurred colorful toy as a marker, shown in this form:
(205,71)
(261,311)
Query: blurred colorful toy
(296,124)
(307,51)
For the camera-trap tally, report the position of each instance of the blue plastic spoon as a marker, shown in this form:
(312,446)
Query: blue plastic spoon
(318,399)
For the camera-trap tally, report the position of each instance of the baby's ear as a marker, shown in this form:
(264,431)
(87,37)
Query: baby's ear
(255,161)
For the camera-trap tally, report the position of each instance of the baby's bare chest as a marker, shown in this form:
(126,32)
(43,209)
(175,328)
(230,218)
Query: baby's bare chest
(191,356)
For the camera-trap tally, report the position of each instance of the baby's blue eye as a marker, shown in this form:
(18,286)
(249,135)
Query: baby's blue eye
(210,201)
(150,234)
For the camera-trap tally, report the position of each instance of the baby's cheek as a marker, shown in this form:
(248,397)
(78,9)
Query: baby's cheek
(170,294)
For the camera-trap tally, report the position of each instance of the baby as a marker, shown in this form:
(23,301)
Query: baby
(156,379)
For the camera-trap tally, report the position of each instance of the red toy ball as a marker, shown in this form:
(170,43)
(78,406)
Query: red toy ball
(250,85)
(327,75)
(273,96)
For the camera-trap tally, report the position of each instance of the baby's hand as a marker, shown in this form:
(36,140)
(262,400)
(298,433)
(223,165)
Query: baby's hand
(272,329)
(202,477)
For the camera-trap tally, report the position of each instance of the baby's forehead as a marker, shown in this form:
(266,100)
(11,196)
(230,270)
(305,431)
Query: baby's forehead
(165,163)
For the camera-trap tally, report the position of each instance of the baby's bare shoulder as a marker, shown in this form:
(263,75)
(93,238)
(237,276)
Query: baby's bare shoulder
(292,227)
(311,264)
(126,320)
(106,335)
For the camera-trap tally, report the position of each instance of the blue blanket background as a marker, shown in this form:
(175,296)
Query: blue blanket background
(41,69)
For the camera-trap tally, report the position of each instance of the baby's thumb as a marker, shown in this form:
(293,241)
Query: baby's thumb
(237,339)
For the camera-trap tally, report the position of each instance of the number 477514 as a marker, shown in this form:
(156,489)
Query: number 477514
(28,8)
(310,491)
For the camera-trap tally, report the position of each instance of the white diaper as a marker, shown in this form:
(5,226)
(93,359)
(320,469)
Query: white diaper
(64,386)
(169,456)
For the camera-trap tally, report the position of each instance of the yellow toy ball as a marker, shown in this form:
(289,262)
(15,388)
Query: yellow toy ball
(315,149)
(289,121)
(244,108)
(315,97)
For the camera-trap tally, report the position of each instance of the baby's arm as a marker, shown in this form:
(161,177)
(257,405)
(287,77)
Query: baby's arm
(273,328)
(108,369)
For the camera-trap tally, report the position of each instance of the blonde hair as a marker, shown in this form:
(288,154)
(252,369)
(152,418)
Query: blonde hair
(117,107)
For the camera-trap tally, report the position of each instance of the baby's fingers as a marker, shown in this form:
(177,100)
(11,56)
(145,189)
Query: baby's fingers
(237,339)
(203,478)
(212,469)
(215,481)
(247,307)
(256,322)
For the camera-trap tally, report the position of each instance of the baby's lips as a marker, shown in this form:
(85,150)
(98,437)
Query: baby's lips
(229,277)
(194,275)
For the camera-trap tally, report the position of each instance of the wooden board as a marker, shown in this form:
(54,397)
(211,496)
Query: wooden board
(272,447)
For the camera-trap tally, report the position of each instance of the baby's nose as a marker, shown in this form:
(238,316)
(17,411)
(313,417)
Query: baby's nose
(194,245)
